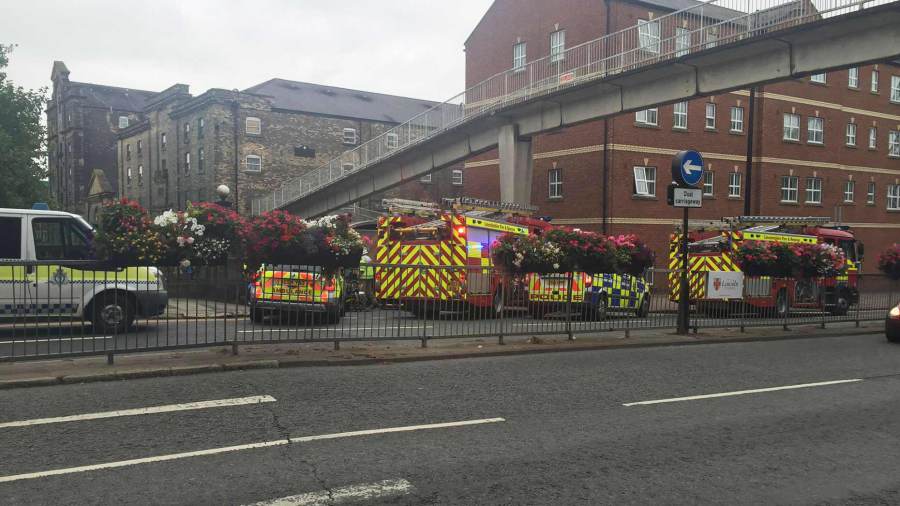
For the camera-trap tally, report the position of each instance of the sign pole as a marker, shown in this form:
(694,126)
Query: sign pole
(684,291)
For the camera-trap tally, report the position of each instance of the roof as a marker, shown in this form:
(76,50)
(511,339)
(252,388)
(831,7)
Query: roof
(122,99)
(343,102)
(99,184)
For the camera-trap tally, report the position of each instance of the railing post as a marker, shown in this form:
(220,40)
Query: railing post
(424,337)
(501,316)
(571,288)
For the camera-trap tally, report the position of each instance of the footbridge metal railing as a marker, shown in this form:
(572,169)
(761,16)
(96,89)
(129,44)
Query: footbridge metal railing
(661,39)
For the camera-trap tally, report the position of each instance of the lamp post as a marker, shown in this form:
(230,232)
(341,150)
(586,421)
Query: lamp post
(223,191)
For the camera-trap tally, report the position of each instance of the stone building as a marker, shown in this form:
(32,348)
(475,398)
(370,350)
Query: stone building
(824,145)
(83,122)
(253,140)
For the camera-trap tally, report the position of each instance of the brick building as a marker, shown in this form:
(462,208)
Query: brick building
(83,121)
(826,145)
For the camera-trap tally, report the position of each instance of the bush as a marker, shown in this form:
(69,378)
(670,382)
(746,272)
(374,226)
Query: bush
(889,262)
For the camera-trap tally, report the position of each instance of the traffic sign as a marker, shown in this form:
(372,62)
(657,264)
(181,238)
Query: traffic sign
(687,197)
(687,168)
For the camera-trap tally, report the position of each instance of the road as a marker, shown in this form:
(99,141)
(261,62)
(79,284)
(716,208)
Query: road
(810,421)
(60,337)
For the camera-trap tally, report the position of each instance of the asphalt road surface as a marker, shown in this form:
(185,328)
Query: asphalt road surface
(808,421)
(55,337)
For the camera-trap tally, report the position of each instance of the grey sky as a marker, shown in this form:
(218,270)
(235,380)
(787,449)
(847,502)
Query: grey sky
(404,47)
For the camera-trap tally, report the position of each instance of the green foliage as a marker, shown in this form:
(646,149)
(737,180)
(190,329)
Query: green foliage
(22,146)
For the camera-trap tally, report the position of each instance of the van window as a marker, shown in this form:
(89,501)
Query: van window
(11,232)
(59,239)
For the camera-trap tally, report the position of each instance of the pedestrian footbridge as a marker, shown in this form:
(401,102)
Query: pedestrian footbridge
(728,45)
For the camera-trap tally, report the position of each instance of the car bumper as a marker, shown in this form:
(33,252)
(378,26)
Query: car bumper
(892,328)
(151,303)
(309,307)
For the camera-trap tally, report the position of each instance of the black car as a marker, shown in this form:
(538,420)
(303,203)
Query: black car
(892,325)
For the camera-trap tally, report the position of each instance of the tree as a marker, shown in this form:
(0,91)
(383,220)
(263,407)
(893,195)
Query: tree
(22,142)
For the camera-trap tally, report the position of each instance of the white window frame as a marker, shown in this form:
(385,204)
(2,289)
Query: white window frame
(710,119)
(853,77)
(554,183)
(849,191)
(870,193)
(790,186)
(201,157)
(682,41)
(851,134)
(709,183)
(895,89)
(873,138)
(557,46)
(456,177)
(737,120)
(253,125)
(648,35)
(645,181)
(734,184)
(163,140)
(820,78)
(873,87)
(813,190)
(894,143)
(123,122)
(392,140)
(350,136)
(140,174)
(128,174)
(520,55)
(815,130)
(893,197)
(253,163)
(644,117)
(791,127)
(680,115)
(187,163)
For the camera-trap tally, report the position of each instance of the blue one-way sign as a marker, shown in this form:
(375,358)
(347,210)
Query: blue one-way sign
(687,168)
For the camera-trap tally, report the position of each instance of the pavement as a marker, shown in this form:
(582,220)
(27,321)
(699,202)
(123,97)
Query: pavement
(351,352)
(790,421)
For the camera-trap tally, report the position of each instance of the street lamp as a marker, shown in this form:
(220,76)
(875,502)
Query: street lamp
(223,192)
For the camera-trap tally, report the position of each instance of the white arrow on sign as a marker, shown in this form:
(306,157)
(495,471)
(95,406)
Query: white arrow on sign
(689,168)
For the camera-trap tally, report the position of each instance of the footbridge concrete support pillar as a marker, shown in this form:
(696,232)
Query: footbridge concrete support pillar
(516,166)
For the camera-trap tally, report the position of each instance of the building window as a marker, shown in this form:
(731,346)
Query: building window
(140,174)
(734,184)
(456,177)
(645,181)
(870,194)
(710,116)
(557,45)
(554,180)
(187,132)
(791,127)
(162,140)
(392,140)
(304,152)
(680,118)
(895,88)
(873,138)
(123,121)
(187,163)
(253,126)
(349,137)
(140,147)
(737,119)
(253,163)
(347,168)
(851,134)
(789,188)
(646,117)
(818,78)
(709,179)
(200,159)
(849,190)
(128,151)
(893,197)
(874,86)
(813,190)
(894,143)
(425,179)
(519,56)
(201,125)
(128,175)
(853,77)
(682,41)
(815,130)
(648,35)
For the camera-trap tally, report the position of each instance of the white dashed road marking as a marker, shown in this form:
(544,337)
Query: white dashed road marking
(220,403)
(352,493)
(743,392)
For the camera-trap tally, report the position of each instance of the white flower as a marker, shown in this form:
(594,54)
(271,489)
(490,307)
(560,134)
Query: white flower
(189,240)
(185,263)
(556,266)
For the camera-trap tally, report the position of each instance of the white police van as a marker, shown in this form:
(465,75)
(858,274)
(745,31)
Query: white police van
(46,272)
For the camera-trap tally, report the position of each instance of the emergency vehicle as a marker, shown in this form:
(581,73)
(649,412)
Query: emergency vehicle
(289,291)
(428,259)
(592,294)
(47,270)
(716,280)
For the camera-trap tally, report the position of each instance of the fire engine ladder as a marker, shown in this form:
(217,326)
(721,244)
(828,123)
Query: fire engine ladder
(470,204)
(406,206)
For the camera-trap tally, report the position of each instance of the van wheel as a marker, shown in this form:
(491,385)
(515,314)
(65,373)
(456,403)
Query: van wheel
(596,312)
(112,313)
(841,304)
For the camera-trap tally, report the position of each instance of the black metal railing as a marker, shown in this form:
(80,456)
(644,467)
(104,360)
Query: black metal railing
(56,309)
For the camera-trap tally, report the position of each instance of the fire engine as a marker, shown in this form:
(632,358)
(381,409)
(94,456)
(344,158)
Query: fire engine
(716,281)
(430,259)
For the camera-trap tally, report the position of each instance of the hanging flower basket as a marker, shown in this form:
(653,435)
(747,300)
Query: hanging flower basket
(633,255)
(889,262)
(519,254)
(818,260)
(125,236)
